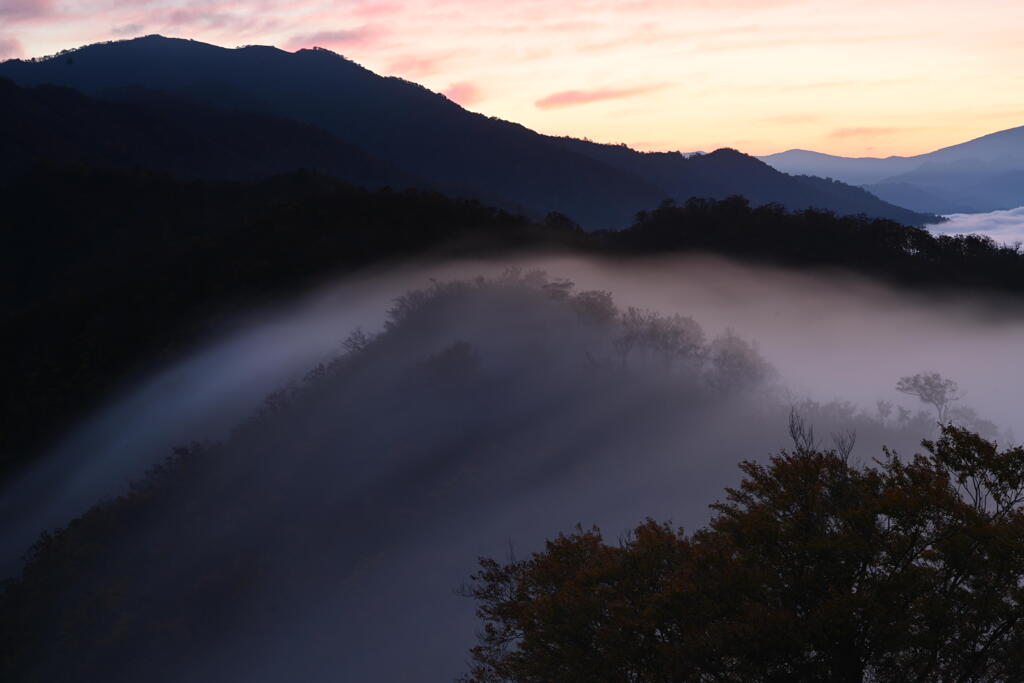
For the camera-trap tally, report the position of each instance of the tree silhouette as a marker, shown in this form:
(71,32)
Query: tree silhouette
(811,569)
(933,389)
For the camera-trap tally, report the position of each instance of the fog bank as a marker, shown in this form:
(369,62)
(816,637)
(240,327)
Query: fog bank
(488,412)
(1005,227)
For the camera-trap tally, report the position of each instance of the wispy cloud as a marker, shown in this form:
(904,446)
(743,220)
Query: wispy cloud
(802,39)
(10,48)
(649,34)
(572,98)
(208,17)
(652,5)
(743,61)
(374,10)
(341,37)
(418,66)
(464,93)
(127,30)
(25,9)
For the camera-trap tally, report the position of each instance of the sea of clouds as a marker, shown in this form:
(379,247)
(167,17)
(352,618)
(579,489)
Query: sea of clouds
(1006,227)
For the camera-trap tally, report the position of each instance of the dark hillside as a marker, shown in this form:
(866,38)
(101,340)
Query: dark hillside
(171,133)
(108,272)
(431,137)
(727,172)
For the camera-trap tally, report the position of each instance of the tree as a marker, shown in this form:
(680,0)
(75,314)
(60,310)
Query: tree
(811,569)
(669,338)
(933,389)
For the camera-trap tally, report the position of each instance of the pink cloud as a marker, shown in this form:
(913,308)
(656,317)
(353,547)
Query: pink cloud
(719,4)
(571,98)
(464,94)
(342,37)
(24,9)
(376,9)
(10,48)
(803,38)
(411,66)
(209,17)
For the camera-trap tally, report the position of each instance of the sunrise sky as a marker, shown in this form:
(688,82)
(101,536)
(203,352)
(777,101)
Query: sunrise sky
(860,78)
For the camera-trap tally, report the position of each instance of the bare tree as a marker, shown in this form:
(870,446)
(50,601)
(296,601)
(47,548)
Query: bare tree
(933,389)
(801,433)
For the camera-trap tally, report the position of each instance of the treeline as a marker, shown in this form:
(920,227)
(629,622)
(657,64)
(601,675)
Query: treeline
(108,272)
(813,238)
(476,396)
(223,543)
(812,569)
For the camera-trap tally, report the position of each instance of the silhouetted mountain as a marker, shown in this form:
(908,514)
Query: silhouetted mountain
(111,271)
(877,247)
(964,186)
(913,196)
(983,174)
(399,122)
(727,172)
(855,170)
(172,133)
(411,432)
(429,136)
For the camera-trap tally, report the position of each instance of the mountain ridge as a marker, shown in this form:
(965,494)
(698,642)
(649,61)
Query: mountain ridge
(978,175)
(139,128)
(428,136)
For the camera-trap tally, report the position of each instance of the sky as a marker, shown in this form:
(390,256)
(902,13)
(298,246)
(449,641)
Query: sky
(856,78)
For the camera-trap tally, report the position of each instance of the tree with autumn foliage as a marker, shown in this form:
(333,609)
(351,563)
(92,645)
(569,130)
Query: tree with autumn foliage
(812,569)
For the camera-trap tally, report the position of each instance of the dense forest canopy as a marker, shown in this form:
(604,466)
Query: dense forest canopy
(290,347)
(814,568)
(484,395)
(348,508)
(84,270)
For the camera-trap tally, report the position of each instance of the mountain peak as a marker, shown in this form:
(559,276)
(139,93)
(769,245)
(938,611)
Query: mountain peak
(727,153)
(426,135)
(980,175)
(320,52)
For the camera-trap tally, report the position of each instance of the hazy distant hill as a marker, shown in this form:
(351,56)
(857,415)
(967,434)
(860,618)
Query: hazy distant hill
(984,174)
(728,172)
(428,136)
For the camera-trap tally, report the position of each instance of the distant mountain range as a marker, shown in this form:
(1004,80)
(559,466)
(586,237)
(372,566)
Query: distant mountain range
(198,110)
(984,174)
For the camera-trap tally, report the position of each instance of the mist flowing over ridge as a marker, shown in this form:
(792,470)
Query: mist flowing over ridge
(338,518)
(310,373)
(426,135)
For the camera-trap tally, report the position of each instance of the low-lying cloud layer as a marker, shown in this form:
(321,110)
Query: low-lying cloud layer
(486,414)
(1006,227)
